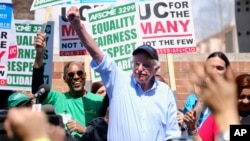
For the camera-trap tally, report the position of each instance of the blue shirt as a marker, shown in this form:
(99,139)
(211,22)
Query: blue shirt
(136,115)
(190,104)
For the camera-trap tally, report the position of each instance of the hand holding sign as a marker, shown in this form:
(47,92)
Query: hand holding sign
(39,44)
(74,17)
(40,40)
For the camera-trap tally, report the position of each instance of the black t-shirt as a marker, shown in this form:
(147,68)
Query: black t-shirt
(96,130)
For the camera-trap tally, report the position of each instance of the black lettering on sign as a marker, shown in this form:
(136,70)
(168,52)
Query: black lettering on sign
(81,11)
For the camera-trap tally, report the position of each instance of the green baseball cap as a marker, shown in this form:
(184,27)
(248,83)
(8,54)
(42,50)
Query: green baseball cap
(16,98)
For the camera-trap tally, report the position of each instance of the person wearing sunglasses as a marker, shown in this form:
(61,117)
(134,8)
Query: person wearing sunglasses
(141,108)
(77,107)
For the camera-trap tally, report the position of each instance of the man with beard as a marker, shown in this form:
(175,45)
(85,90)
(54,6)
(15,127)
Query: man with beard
(77,106)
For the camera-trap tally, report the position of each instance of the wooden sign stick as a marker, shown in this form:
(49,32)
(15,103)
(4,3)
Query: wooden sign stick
(46,18)
(171,72)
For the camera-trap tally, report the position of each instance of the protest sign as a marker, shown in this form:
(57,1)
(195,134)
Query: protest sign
(168,26)
(67,45)
(70,45)
(66,39)
(37,4)
(8,46)
(19,75)
(89,1)
(115,29)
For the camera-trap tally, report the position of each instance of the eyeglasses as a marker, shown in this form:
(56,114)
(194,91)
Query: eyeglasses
(72,74)
(136,65)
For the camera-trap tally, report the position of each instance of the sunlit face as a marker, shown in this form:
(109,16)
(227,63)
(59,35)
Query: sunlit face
(101,91)
(244,101)
(215,65)
(75,77)
(143,68)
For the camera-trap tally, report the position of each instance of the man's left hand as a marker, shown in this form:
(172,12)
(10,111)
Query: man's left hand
(74,126)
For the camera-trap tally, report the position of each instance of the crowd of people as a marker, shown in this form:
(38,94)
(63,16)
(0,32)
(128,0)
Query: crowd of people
(131,107)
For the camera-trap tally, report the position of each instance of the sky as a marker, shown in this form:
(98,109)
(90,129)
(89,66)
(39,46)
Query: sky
(211,16)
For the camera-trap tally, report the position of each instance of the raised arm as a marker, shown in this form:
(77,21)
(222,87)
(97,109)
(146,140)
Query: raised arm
(37,73)
(40,45)
(86,39)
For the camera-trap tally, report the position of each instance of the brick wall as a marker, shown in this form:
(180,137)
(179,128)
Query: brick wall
(183,86)
(22,9)
(240,62)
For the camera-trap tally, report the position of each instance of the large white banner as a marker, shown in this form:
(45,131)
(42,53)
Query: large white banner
(19,75)
(64,42)
(8,45)
(168,26)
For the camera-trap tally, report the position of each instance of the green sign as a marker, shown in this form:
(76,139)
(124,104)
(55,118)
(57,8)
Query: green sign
(19,75)
(116,31)
(37,4)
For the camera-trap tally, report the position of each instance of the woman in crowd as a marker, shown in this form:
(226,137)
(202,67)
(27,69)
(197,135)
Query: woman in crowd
(209,130)
(98,88)
(215,90)
(216,63)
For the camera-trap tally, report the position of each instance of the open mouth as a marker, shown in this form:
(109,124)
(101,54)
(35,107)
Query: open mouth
(141,75)
(76,84)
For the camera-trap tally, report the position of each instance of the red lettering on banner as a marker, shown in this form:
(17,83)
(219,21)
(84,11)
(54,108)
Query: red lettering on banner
(159,27)
(68,30)
(167,27)
(147,28)
(176,50)
(73,53)
(184,25)
(171,26)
